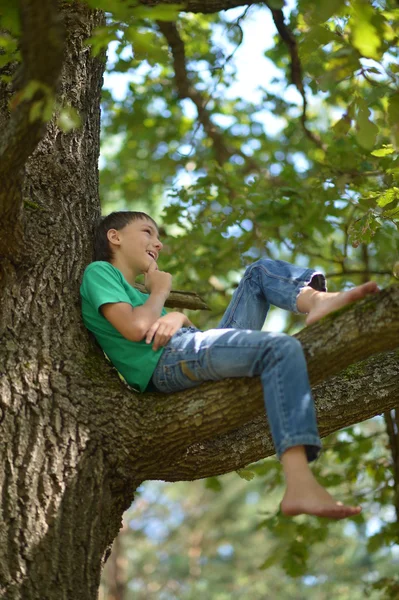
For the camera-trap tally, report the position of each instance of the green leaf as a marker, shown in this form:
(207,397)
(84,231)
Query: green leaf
(48,108)
(384,151)
(362,230)
(100,39)
(30,89)
(276,4)
(365,36)
(325,9)
(246,474)
(163,12)
(388,197)
(35,111)
(213,483)
(393,118)
(271,560)
(366,131)
(8,43)
(316,37)
(295,561)
(9,17)
(342,127)
(393,109)
(68,119)
(392,213)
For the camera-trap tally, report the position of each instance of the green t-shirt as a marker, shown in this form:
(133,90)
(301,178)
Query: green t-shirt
(102,283)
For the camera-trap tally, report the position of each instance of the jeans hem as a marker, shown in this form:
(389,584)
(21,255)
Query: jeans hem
(302,282)
(312,445)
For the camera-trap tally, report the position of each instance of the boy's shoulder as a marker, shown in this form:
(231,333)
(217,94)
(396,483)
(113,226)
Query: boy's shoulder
(102,268)
(100,273)
(103,273)
(101,265)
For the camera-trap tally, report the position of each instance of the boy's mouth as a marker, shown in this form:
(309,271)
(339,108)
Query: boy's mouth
(152,254)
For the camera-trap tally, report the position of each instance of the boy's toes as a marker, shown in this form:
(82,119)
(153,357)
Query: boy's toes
(337,511)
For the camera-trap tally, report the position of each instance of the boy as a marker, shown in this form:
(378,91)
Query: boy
(159,351)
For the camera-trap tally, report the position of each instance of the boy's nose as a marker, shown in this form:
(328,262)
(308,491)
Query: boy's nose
(158,245)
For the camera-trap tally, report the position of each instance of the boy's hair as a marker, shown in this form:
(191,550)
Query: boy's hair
(115,220)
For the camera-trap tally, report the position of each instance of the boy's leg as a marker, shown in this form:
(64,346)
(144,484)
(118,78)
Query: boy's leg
(192,357)
(267,282)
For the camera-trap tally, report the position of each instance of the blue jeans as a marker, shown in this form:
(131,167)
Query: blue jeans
(238,349)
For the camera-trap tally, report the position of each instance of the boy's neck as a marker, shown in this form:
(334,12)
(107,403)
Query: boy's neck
(127,271)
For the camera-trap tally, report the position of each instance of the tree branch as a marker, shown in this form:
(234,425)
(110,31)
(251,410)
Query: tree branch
(354,389)
(353,333)
(187,90)
(42,44)
(166,426)
(296,69)
(180,299)
(204,7)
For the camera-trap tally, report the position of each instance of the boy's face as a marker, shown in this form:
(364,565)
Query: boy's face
(138,243)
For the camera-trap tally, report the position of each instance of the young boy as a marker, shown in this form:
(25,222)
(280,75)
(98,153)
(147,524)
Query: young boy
(159,351)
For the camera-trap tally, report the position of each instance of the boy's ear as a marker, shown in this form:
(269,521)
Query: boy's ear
(113,235)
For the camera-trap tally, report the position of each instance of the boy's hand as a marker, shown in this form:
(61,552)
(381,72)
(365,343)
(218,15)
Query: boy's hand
(162,330)
(156,280)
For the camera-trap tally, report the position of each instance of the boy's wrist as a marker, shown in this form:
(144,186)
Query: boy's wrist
(186,322)
(163,293)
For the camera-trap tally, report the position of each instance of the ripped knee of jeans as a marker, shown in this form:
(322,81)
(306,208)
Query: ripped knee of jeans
(187,372)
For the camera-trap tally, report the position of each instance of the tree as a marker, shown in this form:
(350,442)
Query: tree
(77,441)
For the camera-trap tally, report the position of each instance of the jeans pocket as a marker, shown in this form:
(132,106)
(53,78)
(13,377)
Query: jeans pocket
(181,375)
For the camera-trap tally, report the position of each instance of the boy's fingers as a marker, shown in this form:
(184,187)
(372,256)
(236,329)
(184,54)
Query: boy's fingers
(152,267)
(161,339)
(151,332)
(156,339)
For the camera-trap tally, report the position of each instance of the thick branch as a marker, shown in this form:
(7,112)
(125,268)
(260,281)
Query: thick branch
(42,43)
(351,334)
(359,393)
(168,425)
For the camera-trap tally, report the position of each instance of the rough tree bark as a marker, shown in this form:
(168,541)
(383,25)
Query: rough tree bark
(77,441)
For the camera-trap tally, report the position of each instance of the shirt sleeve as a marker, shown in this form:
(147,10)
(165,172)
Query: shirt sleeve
(101,284)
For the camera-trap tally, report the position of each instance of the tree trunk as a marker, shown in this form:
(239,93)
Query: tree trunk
(60,506)
(77,441)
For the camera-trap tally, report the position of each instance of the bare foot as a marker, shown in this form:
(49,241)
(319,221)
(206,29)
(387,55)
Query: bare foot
(313,499)
(327,302)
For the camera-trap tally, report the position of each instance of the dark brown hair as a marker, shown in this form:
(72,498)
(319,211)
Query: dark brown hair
(115,220)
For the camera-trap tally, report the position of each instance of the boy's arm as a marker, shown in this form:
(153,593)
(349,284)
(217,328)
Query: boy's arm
(133,322)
